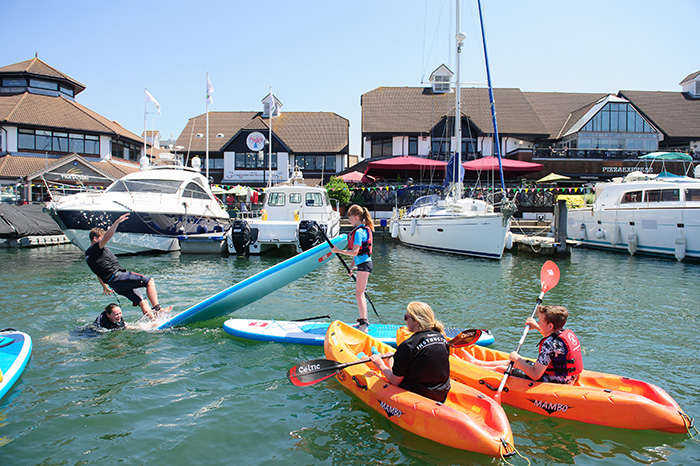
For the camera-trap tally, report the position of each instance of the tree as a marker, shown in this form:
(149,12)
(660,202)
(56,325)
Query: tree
(338,189)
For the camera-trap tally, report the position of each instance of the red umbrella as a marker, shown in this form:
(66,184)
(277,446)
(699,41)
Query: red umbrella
(509,165)
(356,177)
(407,165)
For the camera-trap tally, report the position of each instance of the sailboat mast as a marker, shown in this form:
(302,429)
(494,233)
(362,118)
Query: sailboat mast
(496,142)
(459,37)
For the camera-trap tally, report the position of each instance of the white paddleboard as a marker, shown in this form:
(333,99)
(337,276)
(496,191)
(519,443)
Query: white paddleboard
(313,332)
(15,349)
(259,285)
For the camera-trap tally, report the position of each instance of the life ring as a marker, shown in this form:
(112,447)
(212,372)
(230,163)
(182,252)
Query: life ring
(632,243)
(680,248)
(414,222)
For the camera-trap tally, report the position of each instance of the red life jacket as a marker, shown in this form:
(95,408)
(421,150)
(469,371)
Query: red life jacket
(567,364)
(366,246)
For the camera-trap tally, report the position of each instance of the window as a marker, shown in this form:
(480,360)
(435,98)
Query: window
(276,200)
(692,194)
(632,197)
(440,146)
(60,142)
(441,83)
(76,143)
(253,161)
(670,195)
(381,147)
(314,200)
(195,191)
(14,82)
(41,84)
(126,150)
(295,198)
(40,140)
(652,195)
(146,186)
(25,139)
(43,140)
(92,144)
(413,145)
(325,163)
(67,90)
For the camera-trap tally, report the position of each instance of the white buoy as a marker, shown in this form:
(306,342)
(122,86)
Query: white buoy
(599,234)
(582,232)
(614,235)
(509,240)
(413,226)
(394,229)
(632,243)
(680,248)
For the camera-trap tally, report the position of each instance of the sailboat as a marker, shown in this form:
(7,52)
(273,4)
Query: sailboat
(454,223)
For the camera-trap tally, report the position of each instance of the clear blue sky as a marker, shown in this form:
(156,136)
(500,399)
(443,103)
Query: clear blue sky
(322,55)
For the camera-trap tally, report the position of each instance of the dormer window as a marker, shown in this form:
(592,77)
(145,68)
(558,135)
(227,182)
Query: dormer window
(199,135)
(220,135)
(440,80)
(271,105)
(691,85)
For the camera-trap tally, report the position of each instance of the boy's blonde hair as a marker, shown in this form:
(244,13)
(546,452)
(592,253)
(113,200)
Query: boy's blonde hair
(554,314)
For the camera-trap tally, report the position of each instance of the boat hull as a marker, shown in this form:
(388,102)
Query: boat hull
(596,398)
(479,235)
(466,420)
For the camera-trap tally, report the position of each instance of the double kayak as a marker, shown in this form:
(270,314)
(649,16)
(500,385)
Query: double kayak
(595,398)
(314,332)
(466,420)
(15,349)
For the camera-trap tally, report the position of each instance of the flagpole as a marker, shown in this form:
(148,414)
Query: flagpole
(145,153)
(206,156)
(269,161)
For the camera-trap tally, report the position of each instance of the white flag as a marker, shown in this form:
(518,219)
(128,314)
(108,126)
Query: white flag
(150,98)
(273,106)
(210,91)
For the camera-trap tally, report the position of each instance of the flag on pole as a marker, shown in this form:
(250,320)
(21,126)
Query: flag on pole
(273,106)
(150,98)
(210,91)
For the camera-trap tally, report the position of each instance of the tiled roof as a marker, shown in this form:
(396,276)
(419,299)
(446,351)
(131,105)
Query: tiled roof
(560,110)
(37,67)
(690,77)
(116,168)
(300,131)
(57,112)
(401,110)
(674,113)
(14,166)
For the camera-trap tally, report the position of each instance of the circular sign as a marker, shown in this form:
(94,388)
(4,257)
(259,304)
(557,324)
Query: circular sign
(255,141)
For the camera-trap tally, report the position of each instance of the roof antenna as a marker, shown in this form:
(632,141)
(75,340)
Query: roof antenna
(36,54)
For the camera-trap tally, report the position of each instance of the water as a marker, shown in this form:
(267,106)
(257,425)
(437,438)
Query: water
(195,395)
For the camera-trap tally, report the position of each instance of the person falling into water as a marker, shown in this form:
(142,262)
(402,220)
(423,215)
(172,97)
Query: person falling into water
(105,265)
(360,249)
(110,318)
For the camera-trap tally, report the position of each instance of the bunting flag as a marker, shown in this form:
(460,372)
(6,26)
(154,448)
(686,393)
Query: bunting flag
(210,91)
(150,98)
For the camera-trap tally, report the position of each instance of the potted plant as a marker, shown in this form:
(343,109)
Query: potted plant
(338,190)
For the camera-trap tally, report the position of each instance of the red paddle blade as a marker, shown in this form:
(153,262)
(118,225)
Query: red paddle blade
(311,372)
(549,276)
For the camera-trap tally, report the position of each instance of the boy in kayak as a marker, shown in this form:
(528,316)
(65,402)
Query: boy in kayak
(560,359)
(421,363)
(105,265)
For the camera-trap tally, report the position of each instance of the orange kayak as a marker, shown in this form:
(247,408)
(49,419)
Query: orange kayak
(467,420)
(595,398)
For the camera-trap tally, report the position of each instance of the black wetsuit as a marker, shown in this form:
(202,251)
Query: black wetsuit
(104,322)
(423,362)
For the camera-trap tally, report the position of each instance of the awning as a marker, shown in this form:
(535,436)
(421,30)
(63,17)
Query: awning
(667,156)
(407,165)
(552,177)
(509,165)
(356,177)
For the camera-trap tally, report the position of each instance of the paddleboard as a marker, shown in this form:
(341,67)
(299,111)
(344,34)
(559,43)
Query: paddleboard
(261,284)
(15,349)
(313,333)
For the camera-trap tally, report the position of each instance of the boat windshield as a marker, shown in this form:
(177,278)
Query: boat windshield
(423,201)
(146,186)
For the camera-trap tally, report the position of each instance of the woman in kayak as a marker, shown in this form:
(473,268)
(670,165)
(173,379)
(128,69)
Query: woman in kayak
(421,363)
(560,359)
(360,249)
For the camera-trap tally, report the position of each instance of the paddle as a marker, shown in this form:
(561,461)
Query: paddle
(549,277)
(314,371)
(323,233)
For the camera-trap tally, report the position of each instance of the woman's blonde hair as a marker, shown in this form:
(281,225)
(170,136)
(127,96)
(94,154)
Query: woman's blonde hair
(424,317)
(363,213)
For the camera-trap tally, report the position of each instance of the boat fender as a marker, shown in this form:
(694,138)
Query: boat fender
(509,240)
(309,234)
(240,237)
(395,229)
(680,248)
(632,243)
(614,235)
(582,230)
(599,234)
(413,226)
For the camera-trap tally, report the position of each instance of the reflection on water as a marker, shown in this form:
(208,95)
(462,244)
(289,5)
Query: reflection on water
(180,395)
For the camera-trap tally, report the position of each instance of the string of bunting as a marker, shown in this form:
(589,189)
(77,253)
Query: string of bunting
(508,190)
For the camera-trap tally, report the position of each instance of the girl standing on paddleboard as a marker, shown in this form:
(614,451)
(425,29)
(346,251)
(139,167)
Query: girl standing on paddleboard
(360,249)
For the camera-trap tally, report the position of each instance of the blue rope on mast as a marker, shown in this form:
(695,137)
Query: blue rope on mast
(493,103)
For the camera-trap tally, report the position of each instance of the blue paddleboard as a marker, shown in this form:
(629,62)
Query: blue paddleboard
(15,349)
(313,333)
(259,285)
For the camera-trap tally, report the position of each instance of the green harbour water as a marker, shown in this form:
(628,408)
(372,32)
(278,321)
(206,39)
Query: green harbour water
(195,395)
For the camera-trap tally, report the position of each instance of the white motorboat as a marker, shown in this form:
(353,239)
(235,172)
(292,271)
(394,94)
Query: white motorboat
(291,216)
(455,224)
(164,202)
(646,214)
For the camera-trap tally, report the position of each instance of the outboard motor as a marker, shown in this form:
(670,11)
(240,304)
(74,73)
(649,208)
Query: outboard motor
(310,234)
(240,236)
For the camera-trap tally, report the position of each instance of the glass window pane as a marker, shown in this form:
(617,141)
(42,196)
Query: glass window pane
(77,145)
(639,124)
(240,161)
(43,142)
(605,121)
(692,194)
(622,122)
(613,123)
(670,195)
(276,200)
(295,198)
(38,83)
(25,141)
(314,200)
(632,197)
(652,195)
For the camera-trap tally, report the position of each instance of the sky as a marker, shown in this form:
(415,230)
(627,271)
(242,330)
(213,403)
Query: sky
(322,55)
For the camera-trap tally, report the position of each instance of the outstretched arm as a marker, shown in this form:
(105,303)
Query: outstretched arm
(112,229)
(105,289)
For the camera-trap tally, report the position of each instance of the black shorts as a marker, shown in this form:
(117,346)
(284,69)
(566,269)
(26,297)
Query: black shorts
(125,283)
(366,266)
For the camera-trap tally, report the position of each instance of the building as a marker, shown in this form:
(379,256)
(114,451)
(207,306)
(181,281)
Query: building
(316,142)
(584,135)
(47,137)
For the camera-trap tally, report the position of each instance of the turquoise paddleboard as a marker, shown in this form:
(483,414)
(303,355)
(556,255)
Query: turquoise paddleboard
(259,285)
(15,349)
(313,333)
